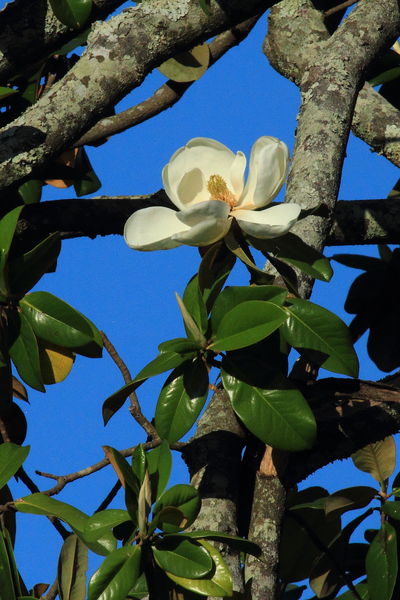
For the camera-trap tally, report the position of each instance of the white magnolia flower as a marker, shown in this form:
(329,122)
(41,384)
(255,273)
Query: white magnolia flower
(205,181)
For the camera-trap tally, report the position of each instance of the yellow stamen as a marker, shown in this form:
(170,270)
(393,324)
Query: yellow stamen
(219,190)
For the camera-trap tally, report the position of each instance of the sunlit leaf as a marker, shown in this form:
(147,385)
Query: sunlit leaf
(11,458)
(72,567)
(159,461)
(116,575)
(55,362)
(378,459)
(187,66)
(103,521)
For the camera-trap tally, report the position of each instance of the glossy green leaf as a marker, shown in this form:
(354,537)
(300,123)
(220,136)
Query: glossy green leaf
(11,458)
(381,564)
(279,416)
(233,541)
(26,270)
(321,336)
(71,571)
(116,575)
(214,270)
(184,497)
(168,515)
(183,557)
(242,252)
(102,522)
(40,504)
(55,321)
(193,300)
(88,182)
(31,191)
(124,471)
(7,591)
(144,505)
(159,462)
(378,459)
(181,400)
(234,295)
(24,351)
(163,362)
(392,509)
(72,13)
(291,249)
(247,324)
(191,326)
(218,583)
(179,346)
(140,589)
(139,463)
(7,229)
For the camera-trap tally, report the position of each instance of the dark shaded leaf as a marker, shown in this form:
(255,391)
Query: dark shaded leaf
(8,224)
(214,270)
(31,191)
(381,564)
(11,458)
(88,182)
(193,300)
(236,543)
(72,567)
(72,13)
(182,496)
(182,557)
(378,459)
(24,351)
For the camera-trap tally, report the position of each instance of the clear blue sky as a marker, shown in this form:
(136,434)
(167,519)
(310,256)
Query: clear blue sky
(130,295)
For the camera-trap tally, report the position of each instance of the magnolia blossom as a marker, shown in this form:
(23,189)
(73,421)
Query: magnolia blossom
(205,181)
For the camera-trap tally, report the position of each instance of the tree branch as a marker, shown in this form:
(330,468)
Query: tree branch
(168,94)
(354,222)
(120,53)
(28,36)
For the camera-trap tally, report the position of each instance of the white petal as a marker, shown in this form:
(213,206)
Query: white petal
(214,209)
(204,233)
(269,223)
(267,172)
(236,179)
(204,154)
(152,229)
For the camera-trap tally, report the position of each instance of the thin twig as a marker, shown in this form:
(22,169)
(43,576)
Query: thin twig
(110,496)
(168,94)
(33,488)
(134,409)
(63,480)
(339,7)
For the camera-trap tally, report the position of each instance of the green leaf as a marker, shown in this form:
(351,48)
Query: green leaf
(57,322)
(392,509)
(5,92)
(279,416)
(26,270)
(321,336)
(139,463)
(214,270)
(11,458)
(238,249)
(190,325)
(362,590)
(182,557)
(358,261)
(102,522)
(187,66)
(234,295)
(72,13)
(144,505)
(246,324)
(291,249)
(171,516)
(181,400)
(116,575)
(128,479)
(71,571)
(7,229)
(385,77)
(193,300)
(31,191)
(381,564)
(233,541)
(88,182)
(159,462)
(7,591)
(182,496)
(218,583)
(341,501)
(163,362)
(378,459)
(40,504)
(179,346)
(24,351)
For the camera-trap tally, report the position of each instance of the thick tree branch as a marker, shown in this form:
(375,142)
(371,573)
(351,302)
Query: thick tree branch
(168,94)
(29,34)
(293,44)
(355,221)
(119,55)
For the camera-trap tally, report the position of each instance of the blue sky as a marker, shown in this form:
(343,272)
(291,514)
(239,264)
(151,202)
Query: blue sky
(130,295)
